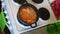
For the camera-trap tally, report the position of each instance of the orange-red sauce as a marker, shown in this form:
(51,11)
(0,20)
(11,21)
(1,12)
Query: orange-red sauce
(28,15)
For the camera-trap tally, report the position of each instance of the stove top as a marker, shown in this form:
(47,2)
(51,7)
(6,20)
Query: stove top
(16,27)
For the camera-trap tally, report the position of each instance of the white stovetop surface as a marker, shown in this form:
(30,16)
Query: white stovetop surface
(17,28)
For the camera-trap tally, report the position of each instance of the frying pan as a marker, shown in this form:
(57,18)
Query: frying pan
(21,21)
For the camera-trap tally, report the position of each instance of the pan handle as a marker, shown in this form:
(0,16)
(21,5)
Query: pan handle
(33,26)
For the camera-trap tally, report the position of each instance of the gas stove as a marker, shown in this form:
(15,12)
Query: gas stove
(13,24)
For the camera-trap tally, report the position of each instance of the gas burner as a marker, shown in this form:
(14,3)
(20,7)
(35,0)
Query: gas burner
(20,1)
(37,1)
(44,13)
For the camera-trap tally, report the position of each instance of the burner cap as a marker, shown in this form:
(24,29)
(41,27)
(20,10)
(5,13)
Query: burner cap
(37,1)
(44,13)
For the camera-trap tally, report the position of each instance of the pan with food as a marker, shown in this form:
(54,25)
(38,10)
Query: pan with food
(28,15)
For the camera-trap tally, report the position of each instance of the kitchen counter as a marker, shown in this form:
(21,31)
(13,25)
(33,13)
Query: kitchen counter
(37,31)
